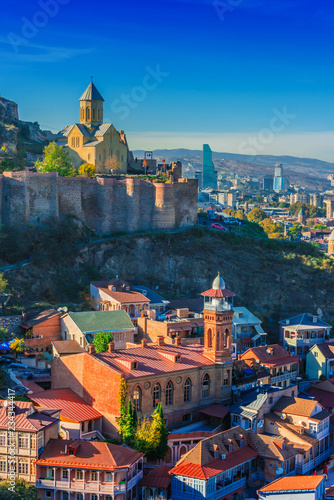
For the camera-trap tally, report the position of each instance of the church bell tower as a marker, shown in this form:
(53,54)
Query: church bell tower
(218,316)
(91,107)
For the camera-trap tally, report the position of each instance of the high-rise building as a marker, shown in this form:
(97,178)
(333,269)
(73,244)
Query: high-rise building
(199,177)
(317,200)
(279,180)
(209,175)
(268,183)
(330,208)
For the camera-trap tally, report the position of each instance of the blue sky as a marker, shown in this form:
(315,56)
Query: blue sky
(227,67)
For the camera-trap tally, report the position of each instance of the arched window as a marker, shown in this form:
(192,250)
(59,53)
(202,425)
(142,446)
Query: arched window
(82,113)
(209,337)
(226,334)
(156,395)
(169,393)
(99,114)
(206,386)
(187,391)
(88,113)
(94,113)
(137,398)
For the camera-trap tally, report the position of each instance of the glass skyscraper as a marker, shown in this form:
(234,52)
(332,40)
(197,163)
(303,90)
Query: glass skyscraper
(209,176)
(279,181)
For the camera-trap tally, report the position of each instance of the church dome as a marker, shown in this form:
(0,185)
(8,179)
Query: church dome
(218,283)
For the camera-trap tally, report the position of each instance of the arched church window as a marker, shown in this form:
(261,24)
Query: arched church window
(77,142)
(99,114)
(169,393)
(187,390)
(137,398)
(156,395)
(206,386)
(88,113)
(94,113)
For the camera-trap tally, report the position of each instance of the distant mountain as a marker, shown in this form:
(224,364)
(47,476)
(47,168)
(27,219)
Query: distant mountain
(290,162)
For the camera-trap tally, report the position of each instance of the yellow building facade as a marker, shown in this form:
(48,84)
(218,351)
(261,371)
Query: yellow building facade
(91,140)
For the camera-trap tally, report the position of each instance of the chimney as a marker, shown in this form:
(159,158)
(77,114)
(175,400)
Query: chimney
(111,347)
(144,343)
(178,340)
(91,349)
(160,340)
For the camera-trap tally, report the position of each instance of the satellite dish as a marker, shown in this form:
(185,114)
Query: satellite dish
(257,390)
(157,287)
(260,424)
(300,422)
(234,387)
(283,416)
(279,471)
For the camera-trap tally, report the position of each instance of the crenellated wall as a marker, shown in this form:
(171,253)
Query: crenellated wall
(106,205)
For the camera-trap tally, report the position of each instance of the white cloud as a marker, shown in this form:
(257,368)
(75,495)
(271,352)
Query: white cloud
(318,145)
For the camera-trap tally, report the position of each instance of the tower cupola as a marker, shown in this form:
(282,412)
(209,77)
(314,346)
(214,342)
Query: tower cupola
(91,107)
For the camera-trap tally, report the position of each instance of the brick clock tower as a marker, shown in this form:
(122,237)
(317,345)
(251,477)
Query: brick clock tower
(218,315)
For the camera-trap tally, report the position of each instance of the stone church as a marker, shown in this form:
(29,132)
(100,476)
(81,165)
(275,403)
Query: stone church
(91,140)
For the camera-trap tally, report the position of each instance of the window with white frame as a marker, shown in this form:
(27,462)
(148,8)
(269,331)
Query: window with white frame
(108,478)
(24,466)
(65,474)
(79,475)
(93,475)
(40,440)
(79,496)
(3,438)
(23,440)
(3,462)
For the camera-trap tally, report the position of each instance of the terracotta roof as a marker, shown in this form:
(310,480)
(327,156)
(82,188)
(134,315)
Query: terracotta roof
(121,294)
(30,385)
(294,483)
(325,398)
(272,447)
(26,418)
(215,466)
(72,406)
(67,346)
(295,406)
(309,440)
(218,293)
(270,355)
(218,410)
(158,477)
(150,361)
(39,317)
(90,455)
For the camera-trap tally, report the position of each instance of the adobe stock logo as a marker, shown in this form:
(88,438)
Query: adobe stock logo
(151,80)
(222,8)
(277,124)
(30,27)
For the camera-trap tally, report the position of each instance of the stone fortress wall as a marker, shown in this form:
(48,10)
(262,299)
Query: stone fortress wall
(105,205)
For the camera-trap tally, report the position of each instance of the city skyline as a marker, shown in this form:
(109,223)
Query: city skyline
(214,74)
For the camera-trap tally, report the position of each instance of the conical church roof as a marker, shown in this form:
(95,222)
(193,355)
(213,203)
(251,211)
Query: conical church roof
(91,94)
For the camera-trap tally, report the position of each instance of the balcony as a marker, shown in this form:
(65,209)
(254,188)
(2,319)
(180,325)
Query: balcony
(225,490)
(79,486)
(301,342)
(304,468)
(283,376)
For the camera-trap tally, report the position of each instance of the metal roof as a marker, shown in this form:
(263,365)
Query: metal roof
(102,321)
(91,94)
(102,129)
(247,317)
(154,297)
(92,144)
(304,320)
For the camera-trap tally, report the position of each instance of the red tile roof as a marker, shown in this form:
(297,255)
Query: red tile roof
(294,483)
(72,406)
(325,398)
(276,357)
(150,361)
(126,297)
(216,466)
(26,418)
(218,410)
(218,293)
(158,477)
(89,455)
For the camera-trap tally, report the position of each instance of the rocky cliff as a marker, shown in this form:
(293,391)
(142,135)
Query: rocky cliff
(22,139)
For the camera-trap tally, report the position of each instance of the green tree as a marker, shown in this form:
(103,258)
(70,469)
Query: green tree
(128,427)
(8,165)
(241,215)
(259,199)
(321,227)
(101,341)
(151,436)
(87,170)
(295,231)
(113,164)
(56,159)
(3,284)
(17,346)
(257,215)
(22,490)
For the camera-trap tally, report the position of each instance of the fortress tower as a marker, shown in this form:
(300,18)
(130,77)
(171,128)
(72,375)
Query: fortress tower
(218,315)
